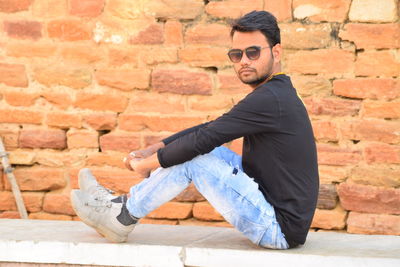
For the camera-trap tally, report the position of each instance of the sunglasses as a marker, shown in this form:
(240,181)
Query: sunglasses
(252,53)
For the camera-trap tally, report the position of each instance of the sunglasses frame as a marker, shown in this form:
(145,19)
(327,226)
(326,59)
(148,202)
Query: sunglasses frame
(246,51)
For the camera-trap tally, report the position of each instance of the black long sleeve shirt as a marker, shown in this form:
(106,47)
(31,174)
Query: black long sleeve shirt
(279,151)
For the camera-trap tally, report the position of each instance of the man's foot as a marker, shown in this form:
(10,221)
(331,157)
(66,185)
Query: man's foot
(108,216)
(89,184)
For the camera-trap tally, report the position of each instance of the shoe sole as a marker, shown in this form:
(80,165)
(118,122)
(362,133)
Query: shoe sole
(103,231)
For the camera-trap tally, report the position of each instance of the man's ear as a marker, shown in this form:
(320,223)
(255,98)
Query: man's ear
(277,52)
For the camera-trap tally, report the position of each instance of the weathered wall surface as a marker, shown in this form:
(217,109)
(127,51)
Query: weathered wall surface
(82,82)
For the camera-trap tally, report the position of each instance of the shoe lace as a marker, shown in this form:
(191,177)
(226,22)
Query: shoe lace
(100,200)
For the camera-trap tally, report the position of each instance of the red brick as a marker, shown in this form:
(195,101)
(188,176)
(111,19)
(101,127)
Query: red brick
(175,9)
(377,109)
(10,215)
(64,120)
(32,201)
(61,100)
(370,199)
(101,121)
(49,8)
(373,88)
(371,130)
(39,179)
(327,197)
(375,36)
(233,8)
(86,8)
(20,116)
(153,34)
(173,32)
(43,139)
(315,62)
(108,158)
(22,157)
(302,36)
(157,123)
(120,57)
(172,210)
(12,6)
(23,29)
(332,174)
(20,98)
(382,153)
(30,49)
(204,56)
(155,221)
(82,139)
(85,54)
(208,34)
(49,216)
(376,176)
(367,11)
(383,63)
(68,30)
(116,103)
(334,155)
(282,9)
(71,77)
(325,130)
(181,81)
(204,211)
(58,203)
(332,106)
(190,194)
(229,83)
(166,103)
(210,103)
(119,142)
(118,180)
(13,75)
(311,85)
(152,139)
(10,135)
(156,55)
(53,158)
(316,11)
(125,80)
(194,222)
(329,219)
(373,224)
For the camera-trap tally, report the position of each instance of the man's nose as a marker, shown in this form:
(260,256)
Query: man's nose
(244,60)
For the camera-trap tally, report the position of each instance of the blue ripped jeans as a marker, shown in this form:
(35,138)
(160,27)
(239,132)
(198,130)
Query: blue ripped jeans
(219,177)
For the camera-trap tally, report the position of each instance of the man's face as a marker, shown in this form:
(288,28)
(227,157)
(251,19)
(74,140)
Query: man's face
(253,72)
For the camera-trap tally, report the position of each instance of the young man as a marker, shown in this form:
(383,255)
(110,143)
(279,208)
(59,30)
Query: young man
(269,194)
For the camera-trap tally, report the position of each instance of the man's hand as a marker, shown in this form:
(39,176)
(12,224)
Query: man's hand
(144,166)
(132,159)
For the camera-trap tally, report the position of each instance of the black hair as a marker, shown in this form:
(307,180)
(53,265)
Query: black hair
(262,21)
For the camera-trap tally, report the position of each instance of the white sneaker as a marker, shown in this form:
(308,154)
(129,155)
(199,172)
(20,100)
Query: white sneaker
(89,184)
(109,217)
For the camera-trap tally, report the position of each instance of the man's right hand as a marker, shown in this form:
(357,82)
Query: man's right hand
(142,154)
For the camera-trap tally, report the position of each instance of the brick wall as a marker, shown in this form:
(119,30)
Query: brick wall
(82,82)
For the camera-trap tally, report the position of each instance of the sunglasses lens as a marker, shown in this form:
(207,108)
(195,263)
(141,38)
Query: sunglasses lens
(253,52)
(235,55)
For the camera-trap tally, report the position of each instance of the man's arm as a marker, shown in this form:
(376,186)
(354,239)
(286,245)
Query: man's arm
(258,112)
(133,158)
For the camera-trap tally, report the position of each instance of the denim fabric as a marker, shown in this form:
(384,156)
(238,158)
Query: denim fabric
(219,177)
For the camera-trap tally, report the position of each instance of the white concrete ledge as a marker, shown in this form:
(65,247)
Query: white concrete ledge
(66,242)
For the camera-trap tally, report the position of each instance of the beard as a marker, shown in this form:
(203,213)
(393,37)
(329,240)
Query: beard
(256,80)
(265,73)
